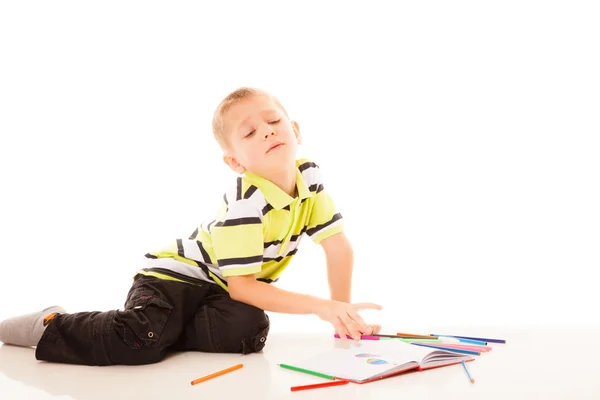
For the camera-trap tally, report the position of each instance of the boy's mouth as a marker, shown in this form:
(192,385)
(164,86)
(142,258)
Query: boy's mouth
(274,146)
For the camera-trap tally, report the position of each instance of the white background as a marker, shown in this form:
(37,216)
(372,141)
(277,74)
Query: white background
(460,140)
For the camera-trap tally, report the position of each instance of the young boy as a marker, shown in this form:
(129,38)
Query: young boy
(208,292)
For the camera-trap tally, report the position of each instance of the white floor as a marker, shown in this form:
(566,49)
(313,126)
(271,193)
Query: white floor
(556,364)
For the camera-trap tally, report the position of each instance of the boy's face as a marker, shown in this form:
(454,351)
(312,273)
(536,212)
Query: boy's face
(261,138)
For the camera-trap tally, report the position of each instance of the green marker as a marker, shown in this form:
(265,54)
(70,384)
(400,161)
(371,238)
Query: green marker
(307,371)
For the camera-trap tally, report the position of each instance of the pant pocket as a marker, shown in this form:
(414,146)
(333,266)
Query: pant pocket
(258,337)
(143,320)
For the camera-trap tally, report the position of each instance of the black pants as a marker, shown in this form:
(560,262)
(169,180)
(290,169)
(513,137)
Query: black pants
(159,316)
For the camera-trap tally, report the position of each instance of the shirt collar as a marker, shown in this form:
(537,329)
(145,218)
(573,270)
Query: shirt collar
(273,194)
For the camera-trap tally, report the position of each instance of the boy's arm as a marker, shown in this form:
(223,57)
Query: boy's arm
(343,316)
(247,289)
(340,259)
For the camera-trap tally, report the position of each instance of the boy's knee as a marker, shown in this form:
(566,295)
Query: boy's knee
(239,327)
(257,327)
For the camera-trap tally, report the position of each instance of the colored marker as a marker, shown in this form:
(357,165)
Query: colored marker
(475,353)
(462,340)
(412,335)
(481,349)
(219,373)
(467,371)
(306,371)
(413,340)
(318,385)
(473,338)
(365,337)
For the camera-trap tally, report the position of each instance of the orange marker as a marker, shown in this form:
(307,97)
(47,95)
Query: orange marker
(223,372)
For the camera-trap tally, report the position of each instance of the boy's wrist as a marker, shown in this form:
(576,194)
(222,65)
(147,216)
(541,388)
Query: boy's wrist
(318,305)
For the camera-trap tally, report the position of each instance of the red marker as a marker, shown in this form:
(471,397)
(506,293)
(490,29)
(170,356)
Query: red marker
(318,385)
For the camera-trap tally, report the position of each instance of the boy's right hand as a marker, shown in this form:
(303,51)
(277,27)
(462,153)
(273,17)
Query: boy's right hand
(344,317)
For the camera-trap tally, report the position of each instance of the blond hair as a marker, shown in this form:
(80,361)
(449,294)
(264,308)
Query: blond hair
(232,99)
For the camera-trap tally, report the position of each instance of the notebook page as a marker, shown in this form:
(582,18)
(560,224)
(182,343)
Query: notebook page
(365,359)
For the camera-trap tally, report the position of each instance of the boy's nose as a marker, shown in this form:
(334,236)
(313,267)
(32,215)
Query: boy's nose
(270,131)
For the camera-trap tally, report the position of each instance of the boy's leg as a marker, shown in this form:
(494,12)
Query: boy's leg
(26,330)
(152,320)
(224,325)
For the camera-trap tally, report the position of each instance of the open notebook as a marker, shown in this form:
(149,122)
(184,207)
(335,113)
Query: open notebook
(370,360)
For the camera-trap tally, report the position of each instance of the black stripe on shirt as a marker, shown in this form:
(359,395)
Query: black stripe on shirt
(239,221)
(266,209)
(316,188)
(225,199)
(307,165)
(210,225)
(317,228)
(292,239)
(148,255)
(291,253)
(240,260)
(194,234)
(205,255)
(269,207)
(180,252)
(273,243)
(203,267)
(250,192)
(295,237)
(238,195)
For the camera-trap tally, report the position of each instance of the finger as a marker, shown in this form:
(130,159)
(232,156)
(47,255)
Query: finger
(351,326)
(376,329)
(358,319)
(364,306)
(340,329)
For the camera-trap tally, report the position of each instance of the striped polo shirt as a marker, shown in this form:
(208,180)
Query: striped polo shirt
(256,231)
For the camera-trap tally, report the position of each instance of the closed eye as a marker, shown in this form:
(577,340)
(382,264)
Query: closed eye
(250,134)
(274,122)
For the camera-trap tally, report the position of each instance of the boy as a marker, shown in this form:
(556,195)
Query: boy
(208,292)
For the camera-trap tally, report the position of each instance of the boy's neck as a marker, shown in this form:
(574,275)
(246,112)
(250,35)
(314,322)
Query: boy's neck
(285,180)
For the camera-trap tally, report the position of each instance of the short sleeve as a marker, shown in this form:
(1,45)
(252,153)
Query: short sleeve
(237,240)
(325,219)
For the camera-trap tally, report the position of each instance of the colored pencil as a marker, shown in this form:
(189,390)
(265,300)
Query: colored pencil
(473,338)
(318,385)
(219,373)
(306,371)
(463,340)
(467,371)
(364,337)
(475,353)
(412,340)
(385,336)
(412,335)
(482,349)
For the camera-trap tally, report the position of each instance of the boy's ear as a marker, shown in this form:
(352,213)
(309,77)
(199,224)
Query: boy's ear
(233,164)
(297,132)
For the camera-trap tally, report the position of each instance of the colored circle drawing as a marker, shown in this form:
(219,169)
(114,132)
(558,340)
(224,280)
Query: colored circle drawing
(376,361)
(365,355)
